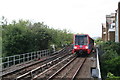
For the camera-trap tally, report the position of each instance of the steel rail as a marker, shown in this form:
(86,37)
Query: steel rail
(67,72)
(73,78)
(53,66)
(30,72)
(61,69)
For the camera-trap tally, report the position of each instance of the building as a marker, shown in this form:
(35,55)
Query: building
(104,38)
(111,30)
(119,20)
(110,27)
(117,24)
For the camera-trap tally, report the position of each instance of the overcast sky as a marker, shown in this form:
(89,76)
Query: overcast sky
(78,16)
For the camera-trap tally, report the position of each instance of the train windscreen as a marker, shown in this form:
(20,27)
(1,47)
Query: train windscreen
(80,39)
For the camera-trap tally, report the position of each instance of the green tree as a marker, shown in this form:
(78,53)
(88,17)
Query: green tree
(23,36)
(15,38)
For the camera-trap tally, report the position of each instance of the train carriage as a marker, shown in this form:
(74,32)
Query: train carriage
(82,44)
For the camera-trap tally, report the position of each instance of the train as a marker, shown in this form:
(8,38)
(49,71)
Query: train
(82,44)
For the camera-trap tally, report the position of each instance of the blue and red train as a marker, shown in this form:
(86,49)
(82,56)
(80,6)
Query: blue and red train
(82,44)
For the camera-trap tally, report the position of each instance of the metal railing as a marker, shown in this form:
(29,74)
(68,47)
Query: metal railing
(17,59)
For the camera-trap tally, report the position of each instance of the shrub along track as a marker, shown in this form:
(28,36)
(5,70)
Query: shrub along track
(27,70)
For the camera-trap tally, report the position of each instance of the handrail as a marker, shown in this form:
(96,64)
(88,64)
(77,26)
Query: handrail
(17,59)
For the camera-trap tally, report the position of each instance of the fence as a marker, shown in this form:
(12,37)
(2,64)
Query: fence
(17,59)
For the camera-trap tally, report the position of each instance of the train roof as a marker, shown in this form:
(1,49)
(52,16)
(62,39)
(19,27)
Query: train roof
(83,34)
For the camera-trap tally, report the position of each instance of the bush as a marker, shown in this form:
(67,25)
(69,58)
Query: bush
(111,76)
(110,59)
(113,66)
(109,54)
(111,45)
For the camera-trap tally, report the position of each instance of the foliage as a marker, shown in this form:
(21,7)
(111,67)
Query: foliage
(110,45)
(109,54)
(110,59)
(23,36)
(98,41)
(110,75)
(0,45)
(3,21)
(15,38)
(114,66)
(111,66)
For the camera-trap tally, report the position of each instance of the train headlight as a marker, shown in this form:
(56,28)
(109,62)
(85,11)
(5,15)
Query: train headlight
(75,47)
(86,47)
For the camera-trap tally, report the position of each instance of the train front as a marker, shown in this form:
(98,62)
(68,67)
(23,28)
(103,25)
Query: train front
(80,44)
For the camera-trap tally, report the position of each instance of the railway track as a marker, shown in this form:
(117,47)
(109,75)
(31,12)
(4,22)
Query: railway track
(63,66)
(30,70)
(66,69)
(70,70)
(42,68)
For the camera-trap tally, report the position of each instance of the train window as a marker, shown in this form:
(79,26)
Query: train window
(81,40)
